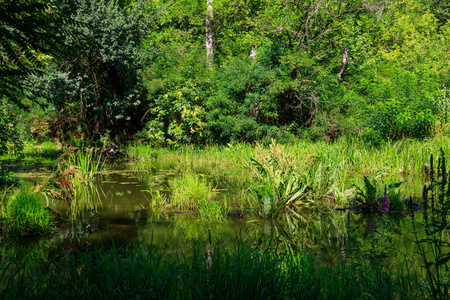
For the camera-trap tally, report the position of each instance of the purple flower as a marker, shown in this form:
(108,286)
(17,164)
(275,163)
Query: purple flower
(348,225)
(372,226)
(385,205)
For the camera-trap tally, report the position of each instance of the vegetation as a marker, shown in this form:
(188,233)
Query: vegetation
(190,191)
(121,70)
(215,273)
(310,116)
(434,246)
(25,214)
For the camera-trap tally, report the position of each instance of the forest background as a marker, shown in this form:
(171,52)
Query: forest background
(98,71)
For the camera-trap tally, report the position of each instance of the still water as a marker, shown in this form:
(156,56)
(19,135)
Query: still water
(126,214)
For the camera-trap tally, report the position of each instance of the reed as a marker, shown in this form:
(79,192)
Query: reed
(87,162)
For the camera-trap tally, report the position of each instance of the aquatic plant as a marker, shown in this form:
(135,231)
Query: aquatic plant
(190,191)
(375,197)
(88,162)
(25,214)
(434,245)
(284,185)
(211,211)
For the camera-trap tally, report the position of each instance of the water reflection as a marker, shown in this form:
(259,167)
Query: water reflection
(121,208)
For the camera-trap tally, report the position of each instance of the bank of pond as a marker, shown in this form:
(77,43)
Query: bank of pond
(308,220)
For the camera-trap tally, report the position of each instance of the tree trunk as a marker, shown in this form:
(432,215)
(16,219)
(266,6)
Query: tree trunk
(344,62)
(209,35)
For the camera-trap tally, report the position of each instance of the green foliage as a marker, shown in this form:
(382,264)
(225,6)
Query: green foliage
(433,245)
(5,177)
(190,191)
(28,29)
(211,211)
(243,108)
(88,162)
(244,272)
(138,68)
(11,137)
(376,197)
(99,85)
(25,214)
(285,187)
(406,109)
(179,117)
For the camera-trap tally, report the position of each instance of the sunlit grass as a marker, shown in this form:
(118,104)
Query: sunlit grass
(190,191)
(88,163)
(25,214)
(346,161)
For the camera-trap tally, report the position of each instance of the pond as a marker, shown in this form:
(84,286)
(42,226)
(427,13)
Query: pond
(125,213)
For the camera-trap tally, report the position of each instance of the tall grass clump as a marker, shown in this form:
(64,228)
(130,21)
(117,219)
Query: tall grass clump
(190,191)
(88,162)
(25,214)
(74,181)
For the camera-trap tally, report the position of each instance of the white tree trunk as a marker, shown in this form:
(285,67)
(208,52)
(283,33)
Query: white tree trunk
(209,35)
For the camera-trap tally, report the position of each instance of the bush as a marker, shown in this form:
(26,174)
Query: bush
(25,215)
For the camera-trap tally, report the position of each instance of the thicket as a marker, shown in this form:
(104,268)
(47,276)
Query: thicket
(123,70)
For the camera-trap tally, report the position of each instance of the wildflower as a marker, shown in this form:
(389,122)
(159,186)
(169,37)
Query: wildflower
(372,226)
(348,225)
(385,204)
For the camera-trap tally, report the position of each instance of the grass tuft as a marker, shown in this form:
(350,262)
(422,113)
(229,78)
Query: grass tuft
(25,214)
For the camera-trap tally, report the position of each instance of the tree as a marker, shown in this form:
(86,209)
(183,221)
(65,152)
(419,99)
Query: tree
(28,29)
(95,75)
(209,34)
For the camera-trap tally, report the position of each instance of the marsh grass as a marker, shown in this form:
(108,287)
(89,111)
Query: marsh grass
(234,162)
(207,272)
(212,211)
(191,191)
(73,182)
(25,214)
(45,150)
(87,162)
(231,160)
